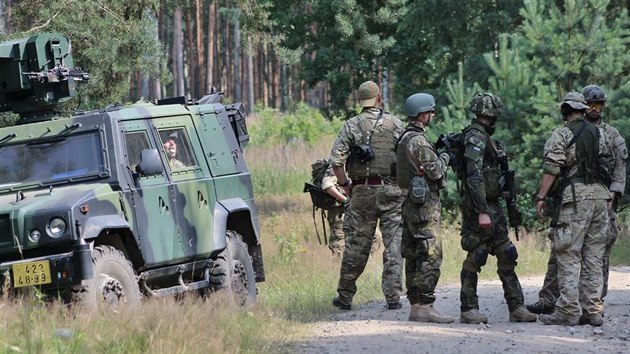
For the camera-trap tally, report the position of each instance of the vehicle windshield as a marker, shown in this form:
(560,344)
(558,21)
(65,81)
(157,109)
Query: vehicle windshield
(51,161)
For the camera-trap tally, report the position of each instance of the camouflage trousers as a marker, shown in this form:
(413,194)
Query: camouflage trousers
(335,224)
(369,205)
(336,241)
(550,292)
(422,250)
(579,243)
(483,242)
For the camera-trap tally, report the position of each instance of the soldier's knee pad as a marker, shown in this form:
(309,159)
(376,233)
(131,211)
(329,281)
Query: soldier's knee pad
(510,253)
(480,257)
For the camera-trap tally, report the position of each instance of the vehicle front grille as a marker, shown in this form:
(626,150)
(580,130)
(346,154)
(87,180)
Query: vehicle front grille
(6,236)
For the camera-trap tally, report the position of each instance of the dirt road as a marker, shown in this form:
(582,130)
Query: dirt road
(373,329)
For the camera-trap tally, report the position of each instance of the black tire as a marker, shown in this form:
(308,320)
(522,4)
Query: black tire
(114,285)
(233,271)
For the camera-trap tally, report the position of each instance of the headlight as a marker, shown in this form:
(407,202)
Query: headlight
(56,227)
(34,235)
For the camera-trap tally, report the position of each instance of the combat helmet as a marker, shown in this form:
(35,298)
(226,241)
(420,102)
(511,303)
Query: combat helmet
(419,103)
(594,93)
(486,104)
(575,100)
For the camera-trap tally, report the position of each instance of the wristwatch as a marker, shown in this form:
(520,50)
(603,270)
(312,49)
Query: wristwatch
(540,198)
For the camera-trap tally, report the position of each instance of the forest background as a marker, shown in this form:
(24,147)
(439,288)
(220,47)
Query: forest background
(282,54)
(296,66)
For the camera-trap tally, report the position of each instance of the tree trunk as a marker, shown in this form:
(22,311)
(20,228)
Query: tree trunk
(211,43)
(236,60)
(191,57)
(251,101)
(178,54)
(199,73)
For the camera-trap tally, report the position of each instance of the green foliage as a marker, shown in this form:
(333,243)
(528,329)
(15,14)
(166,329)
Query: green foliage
(304,125)
(110,40)
(427,51)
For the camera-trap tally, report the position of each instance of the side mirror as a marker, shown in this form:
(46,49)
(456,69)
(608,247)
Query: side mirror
(150,163)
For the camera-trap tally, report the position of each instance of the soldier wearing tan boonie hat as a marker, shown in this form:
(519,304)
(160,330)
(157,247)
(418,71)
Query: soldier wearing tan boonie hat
(369,94)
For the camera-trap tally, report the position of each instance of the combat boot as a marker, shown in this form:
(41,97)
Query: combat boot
(340,305)
(593,320)
(558,318)
(427,313)
(521,314)
(541,307)
(473,316)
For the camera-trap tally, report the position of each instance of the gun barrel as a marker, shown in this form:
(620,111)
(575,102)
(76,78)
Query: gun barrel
(37,73)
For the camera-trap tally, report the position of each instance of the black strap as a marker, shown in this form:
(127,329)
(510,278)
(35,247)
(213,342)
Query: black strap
(407,130)
(323,215)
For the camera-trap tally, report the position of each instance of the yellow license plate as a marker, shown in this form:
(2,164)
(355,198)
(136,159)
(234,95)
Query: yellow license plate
(31,273)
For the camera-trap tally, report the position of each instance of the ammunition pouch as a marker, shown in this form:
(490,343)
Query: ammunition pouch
(362,153)
(418,190)
(491,178)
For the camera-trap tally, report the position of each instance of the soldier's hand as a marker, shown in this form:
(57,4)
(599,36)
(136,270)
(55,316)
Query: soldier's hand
(484,221)
(540,209)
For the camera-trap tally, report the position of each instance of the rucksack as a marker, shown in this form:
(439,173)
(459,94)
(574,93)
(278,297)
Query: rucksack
(321,200)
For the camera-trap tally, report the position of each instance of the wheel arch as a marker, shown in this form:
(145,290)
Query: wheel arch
(114,231)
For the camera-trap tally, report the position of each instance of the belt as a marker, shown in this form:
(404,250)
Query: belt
(373,181)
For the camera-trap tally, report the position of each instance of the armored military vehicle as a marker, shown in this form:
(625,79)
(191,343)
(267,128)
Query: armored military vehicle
(107,207)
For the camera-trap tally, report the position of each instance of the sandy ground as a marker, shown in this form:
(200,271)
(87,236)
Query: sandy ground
(373,329)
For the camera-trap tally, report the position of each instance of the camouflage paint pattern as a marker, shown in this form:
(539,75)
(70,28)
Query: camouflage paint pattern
(179,215)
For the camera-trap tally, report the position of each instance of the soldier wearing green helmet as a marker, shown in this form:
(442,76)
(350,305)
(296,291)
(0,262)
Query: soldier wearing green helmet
(422,173)
(484,226)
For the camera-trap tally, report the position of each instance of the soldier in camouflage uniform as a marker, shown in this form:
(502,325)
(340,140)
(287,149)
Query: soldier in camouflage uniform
(580,226)
(484,226)
(335,215)
(422,173)
(616,163)
(365,149)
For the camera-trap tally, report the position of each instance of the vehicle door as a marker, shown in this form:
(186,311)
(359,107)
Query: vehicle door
(192,186)
(154,210)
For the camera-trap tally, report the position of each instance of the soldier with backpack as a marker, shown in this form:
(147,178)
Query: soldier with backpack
(484,226)
(616,163)
(575,174)
(422,173)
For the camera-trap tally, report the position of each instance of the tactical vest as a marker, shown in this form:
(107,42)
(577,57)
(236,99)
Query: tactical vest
(381,142)
(591,168)
(491,170)
(403,170)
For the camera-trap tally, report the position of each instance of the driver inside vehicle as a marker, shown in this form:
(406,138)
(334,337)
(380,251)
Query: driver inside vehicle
(170,147)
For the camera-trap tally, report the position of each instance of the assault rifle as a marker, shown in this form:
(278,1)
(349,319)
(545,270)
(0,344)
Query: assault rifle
(449,143)
(506,183)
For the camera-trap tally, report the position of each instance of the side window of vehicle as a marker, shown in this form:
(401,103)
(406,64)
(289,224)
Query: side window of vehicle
(177,149)
(136,142)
